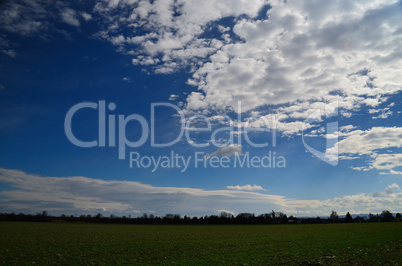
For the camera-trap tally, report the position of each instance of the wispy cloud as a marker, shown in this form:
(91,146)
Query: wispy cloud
(246,187)
(23,17)
(173,97)
(32,193)
(226,151)
(35,18)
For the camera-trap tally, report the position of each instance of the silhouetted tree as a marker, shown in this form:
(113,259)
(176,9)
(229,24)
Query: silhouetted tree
(334,216)
(358,219)
(273,215)
(281,217)
(386,216)
(226,215)
(398,216)
(349,218)
(169,216)
(265,218)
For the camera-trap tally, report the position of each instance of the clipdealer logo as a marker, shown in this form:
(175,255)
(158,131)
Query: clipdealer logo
(107,135)
(112,132)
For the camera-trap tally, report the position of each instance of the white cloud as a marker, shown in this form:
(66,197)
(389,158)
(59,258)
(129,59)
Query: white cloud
(31,193)
(174,26)
(387,161)
(385,114)
(173,97)
(34,18)
(303,54)
(69,16)
(369,141)
(297,55)
(391,172)
(391,189)
(70,194)
(246,187)
(226,151)
(23,17)
(347,128)
(374,143)
(86,16)
(225,212)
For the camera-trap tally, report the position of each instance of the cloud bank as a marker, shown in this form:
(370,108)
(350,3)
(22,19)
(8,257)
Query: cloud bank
(69,195)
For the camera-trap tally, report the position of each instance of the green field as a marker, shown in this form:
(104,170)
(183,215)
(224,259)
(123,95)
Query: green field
(65,243)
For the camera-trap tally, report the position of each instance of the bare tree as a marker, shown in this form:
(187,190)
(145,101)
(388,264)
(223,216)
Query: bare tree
(334,216)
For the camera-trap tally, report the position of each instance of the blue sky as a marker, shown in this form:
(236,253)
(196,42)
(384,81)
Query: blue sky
(314,86)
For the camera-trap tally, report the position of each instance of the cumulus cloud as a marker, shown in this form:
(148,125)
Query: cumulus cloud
(31,193)
(385,114)
(387,161)
(298,57)
(86,16)
(226,151)
(173,28)
(296,53)
(375,144)
(293,58)
(391,189)
(69,16)
(369,141)
(246,187)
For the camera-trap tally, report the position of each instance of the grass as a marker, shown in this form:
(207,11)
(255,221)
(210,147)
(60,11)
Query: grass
(101,244)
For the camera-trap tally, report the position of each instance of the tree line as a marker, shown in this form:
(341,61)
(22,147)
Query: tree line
(224,218)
